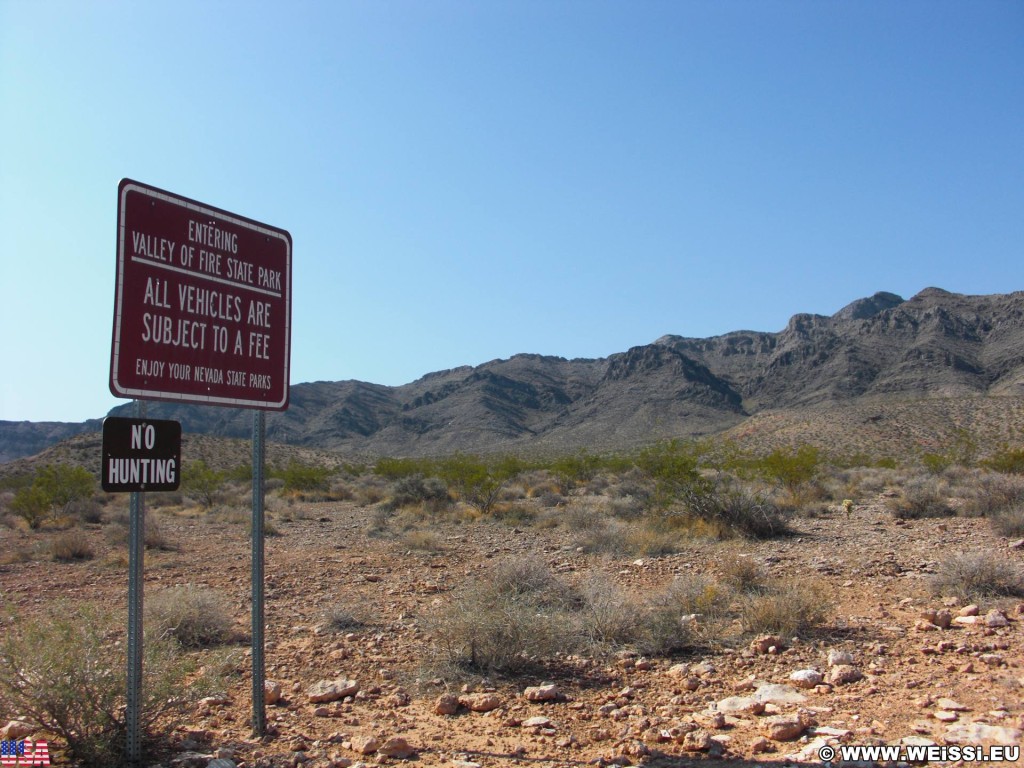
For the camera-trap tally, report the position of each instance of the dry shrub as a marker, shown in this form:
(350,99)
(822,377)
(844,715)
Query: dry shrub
(509,621)
(343,619)
(64,672)
(743,574)
(974,575)
(921,497)
(196,617)
(422,541)
(989,492)
(791,608)
(1009,522)
(71,545)
(688,609)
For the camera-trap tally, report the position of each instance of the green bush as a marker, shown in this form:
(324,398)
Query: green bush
(304,477)
(475,481)
(32,505)
(201,482)
(54,489)
(791,469)
(397,468)
(1006,460)
(63,671)
(672,466)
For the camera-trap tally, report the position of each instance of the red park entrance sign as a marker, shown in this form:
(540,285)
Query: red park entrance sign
(202,311)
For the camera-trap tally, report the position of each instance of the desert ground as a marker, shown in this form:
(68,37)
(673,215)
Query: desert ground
(370,598)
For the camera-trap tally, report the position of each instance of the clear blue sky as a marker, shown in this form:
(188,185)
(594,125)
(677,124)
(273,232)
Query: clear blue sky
(464,180)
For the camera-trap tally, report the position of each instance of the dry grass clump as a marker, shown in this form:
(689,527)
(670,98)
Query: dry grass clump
(789,608)
(197,617)
(71,545)
(419,540)
(1009,522)
(153,535)
(512,619)
(973,575)
(343,619)
(920,497)
(743,574)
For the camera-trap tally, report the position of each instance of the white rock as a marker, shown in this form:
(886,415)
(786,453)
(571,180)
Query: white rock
(778,694)
(271,691)
(396,746)
(837,657)
(331,690)
(806,678)
(980,733)
(537,722)
(545,692)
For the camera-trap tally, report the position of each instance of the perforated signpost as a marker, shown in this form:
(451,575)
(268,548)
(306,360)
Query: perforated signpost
(202,315)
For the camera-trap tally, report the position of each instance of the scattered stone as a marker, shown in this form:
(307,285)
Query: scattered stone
(326,691)
(837,658)
(762,745)
(221,762)
(190,760)
(980,733)
(806,678)
(679,670)
(545,692)
(996,618)
(323,712)
(969,610)
(365,745)
(396,746)
(735,704)
(697,741)
(271,692)
(765,643)
(969,620)
(446,704)
(537,722)
(773,693)
(703,669)
(943,619)
(926,626)
(945,717)
(783,727)
(480,702)
(951,705)
(833,733)
(844,674)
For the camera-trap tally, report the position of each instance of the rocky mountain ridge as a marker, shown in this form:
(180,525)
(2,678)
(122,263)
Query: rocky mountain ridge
(934,345)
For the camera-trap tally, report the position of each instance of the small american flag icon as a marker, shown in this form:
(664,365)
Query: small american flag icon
(24,753)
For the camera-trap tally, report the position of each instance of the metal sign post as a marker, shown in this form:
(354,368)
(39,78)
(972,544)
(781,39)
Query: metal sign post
(136,553)
(259,433)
